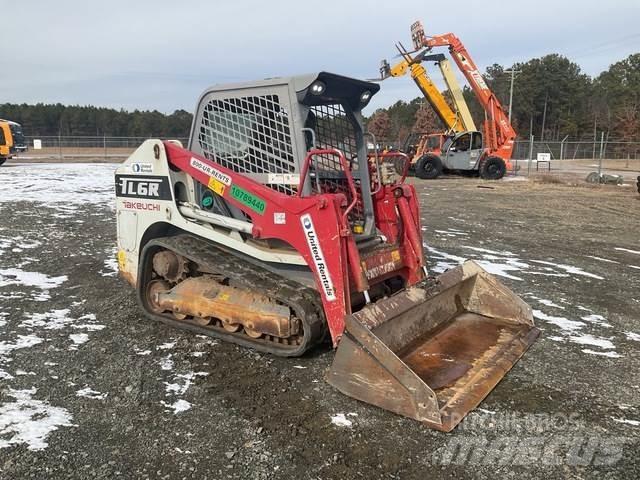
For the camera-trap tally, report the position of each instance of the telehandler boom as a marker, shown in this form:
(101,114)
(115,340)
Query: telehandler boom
(459,120)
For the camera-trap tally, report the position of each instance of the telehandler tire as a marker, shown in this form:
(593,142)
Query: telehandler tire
(492,168)
(428,167)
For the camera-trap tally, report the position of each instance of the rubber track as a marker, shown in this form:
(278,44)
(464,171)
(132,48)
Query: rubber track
(249,275)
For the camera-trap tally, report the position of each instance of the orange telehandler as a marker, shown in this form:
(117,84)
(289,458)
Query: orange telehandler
(488,152)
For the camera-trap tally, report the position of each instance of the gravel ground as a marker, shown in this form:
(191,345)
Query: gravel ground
(91,389)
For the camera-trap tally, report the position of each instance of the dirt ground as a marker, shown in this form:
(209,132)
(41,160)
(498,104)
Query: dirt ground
(89,388)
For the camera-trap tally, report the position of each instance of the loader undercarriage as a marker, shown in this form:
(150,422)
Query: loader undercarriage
(215,294)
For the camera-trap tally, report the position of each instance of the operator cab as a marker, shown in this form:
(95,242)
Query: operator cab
(462,151)
(265,129)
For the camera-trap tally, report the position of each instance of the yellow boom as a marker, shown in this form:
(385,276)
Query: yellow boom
(454,121)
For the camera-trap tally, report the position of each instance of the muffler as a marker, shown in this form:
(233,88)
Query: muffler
(433,352)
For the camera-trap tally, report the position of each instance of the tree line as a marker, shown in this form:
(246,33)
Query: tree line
(74,120)
(552,98)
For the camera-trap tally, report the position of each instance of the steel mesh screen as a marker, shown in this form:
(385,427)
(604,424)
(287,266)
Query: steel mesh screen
(334,130)
(249,135)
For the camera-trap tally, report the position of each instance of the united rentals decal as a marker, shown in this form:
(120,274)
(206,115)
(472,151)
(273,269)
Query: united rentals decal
(249,199)
(318,256)
(152,187)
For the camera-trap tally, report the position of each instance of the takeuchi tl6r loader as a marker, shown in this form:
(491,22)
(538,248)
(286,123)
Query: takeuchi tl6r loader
(276,230)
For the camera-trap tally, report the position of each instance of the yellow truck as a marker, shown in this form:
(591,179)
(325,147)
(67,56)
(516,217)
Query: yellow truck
(6,142)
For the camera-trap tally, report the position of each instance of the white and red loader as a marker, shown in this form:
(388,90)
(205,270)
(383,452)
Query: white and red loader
(275,230)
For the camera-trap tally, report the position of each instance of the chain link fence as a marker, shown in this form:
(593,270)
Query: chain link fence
(82,147)
(578,156)
(578,150)
(571,156)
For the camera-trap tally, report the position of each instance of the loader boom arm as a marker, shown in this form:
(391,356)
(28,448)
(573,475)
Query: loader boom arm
(316,226)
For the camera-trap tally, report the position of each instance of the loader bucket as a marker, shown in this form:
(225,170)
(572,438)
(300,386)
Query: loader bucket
(433,352)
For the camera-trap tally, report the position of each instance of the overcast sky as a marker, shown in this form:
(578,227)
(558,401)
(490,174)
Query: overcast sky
(161,54)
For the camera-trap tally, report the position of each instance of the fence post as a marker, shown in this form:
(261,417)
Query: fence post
(530,156)
(104,143)
(562,147)
(601,154)
(59,146)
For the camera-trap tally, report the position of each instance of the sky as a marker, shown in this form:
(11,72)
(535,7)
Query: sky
(142,54)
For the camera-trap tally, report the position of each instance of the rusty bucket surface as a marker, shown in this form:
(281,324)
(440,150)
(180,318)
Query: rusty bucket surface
(433,352)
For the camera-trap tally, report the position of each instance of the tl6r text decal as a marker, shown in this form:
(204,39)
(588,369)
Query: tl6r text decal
(148,186)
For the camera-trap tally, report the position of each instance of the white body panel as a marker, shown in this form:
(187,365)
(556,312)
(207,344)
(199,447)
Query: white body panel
(142,202)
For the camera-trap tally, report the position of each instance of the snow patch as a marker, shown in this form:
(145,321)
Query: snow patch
(78,339)
(635,423)
(597,320)
(111,264)
(636,252)
(177,389)
(53,320)
(340,420)
(562,322)
(500,269)
(549,303)
(633,336)
(15,276)
(600,259)
(602,354)
(23,341)
(178,407)
(28,421)
(166,363)
(89,393)
(446,256)
(587,339)
(569,269)
(67,185)
(486,250)
(483,410)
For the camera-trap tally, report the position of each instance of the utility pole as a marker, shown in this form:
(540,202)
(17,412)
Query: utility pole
(544,116)
(513,73)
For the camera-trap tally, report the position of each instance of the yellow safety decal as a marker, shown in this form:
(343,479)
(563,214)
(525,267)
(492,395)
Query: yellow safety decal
(122,257)
(395,255)
(216,185)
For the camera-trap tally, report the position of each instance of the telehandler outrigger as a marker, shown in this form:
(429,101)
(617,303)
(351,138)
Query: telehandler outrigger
(275,229)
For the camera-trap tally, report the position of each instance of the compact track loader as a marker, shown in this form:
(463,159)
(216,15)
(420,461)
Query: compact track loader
(276,230)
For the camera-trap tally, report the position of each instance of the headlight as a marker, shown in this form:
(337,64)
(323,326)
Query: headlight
(318,88)
(365,97)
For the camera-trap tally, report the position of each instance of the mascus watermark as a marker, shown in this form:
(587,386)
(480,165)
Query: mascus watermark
(516,422)
(536,450)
